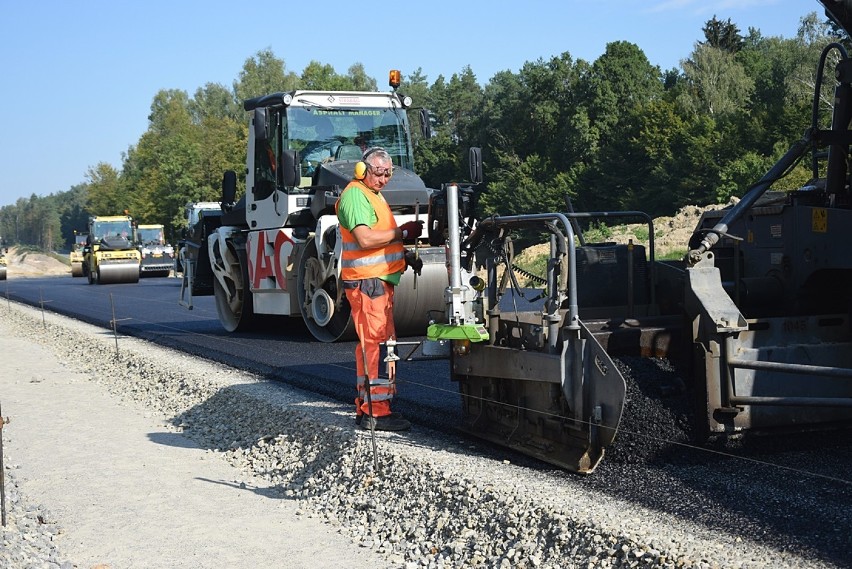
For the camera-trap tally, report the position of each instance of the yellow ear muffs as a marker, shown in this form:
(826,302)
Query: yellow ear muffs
(360,170)
(362,166)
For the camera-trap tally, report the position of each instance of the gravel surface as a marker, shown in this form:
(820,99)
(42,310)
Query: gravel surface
(435,501)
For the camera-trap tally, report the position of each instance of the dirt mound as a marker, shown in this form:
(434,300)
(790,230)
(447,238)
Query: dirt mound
(28,264)
(671,234)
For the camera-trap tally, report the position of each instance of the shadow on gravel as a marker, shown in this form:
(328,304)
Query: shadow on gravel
(172,440)
(277,436)
(271,492)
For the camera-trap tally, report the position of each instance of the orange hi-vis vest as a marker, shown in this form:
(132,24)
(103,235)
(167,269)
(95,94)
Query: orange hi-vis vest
(358,263)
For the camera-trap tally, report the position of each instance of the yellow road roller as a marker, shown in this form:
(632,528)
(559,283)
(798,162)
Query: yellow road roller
(110,255)
(76,255)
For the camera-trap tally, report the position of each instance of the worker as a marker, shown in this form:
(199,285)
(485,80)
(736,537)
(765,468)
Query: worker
(361,141)
(373,261)
(323,145)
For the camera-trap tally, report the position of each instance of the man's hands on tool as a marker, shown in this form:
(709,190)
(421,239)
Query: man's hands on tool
(413,261)
(411,229)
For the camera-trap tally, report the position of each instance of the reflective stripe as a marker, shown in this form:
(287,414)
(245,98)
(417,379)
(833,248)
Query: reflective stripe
(381,389)
(376,397)
(357,263)
(364,261)
(374,382)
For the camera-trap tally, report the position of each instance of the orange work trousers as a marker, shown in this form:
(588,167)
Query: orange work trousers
(372,313)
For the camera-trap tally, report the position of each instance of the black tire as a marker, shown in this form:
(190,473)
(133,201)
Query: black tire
(237,315)
(325,321)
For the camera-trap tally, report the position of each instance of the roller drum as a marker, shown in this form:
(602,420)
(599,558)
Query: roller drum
(76,269)
(413,307)
(2,273)
(118,273)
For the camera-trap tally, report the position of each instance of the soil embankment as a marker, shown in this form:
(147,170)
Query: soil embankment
(27,264)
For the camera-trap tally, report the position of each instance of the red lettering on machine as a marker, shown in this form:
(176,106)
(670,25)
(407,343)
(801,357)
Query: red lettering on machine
(265,263)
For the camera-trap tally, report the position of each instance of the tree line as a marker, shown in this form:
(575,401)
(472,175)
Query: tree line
(617,133)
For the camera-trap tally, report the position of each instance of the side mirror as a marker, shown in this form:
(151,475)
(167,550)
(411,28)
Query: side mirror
(475,156)
(425,124)
(289,168)
(229,189)
(259,123)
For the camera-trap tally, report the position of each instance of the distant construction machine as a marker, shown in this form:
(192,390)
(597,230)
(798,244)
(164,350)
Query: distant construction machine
(76,255)
(158,256)
(193,261)
(110,255)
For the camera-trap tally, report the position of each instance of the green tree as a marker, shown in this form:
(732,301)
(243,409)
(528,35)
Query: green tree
(722,35)
(263,74)
(166,169)
(102,196)
(214,101)
(621,84)
(718,84)
(359,80)
(416,86)
(73,214)
(323,77)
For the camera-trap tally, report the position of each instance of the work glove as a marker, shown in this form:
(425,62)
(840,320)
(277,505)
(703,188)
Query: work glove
(412,229)
(413,261)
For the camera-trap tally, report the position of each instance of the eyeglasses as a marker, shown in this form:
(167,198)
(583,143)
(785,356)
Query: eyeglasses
(381,172)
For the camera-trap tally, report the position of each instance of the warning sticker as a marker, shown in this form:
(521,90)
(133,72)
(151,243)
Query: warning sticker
(819,220)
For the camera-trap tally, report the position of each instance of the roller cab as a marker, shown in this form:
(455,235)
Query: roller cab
(110,255)
(276,251)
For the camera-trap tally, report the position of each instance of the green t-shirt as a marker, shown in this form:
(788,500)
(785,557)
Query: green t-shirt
(355,209)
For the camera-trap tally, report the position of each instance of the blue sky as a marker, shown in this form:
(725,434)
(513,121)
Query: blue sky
(79,76)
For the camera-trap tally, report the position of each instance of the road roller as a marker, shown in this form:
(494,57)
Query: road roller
(276,251)
(158,256)
(110,255)
(76,255)
(2,265)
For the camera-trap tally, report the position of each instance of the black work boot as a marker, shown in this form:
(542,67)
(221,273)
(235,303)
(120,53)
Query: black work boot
(386,423)
(358,413)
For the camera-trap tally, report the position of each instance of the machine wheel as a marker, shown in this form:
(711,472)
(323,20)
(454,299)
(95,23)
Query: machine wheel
(76,269)
(117,274)
(238,314)
(317,300)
